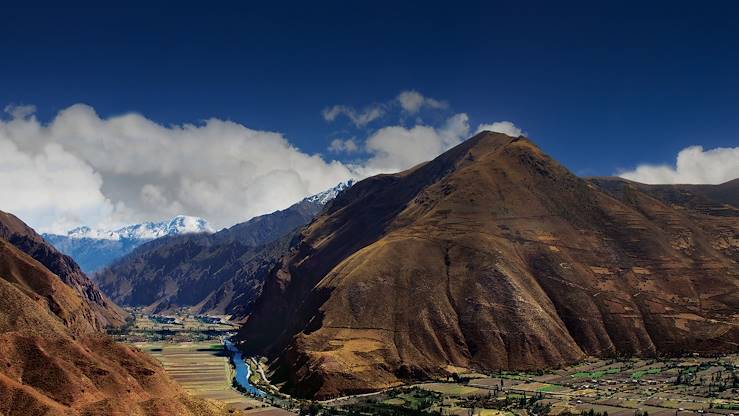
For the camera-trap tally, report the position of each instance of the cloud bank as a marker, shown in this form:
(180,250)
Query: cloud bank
(693,166)
(83,169)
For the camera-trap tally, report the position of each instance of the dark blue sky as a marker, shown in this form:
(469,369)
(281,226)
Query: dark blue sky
(600,87)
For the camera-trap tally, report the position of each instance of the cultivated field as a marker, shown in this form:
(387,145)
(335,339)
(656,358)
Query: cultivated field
(203,369)
(679,387)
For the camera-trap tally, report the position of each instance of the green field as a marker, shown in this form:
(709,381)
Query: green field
(637,375)
(596,374)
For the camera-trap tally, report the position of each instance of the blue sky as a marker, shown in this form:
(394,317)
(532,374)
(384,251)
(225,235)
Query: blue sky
(601,86)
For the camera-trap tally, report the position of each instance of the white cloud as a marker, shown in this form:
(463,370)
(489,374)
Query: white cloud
(343,146)
(396,148)
(505,127)
(83,169)
(694,166)
(412,101)
(359,118)
(53,188)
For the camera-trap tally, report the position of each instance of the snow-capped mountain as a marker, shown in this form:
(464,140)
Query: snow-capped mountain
(96,249)
(324,197)
(181,224)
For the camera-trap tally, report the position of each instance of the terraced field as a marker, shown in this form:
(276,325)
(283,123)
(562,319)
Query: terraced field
(202,368)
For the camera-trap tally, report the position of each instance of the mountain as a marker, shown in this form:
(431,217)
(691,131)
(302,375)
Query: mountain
(181,224)
(713,200)
(95,249)
(219,273)
(105,313)
(266,228)
(491,256)
(53,358)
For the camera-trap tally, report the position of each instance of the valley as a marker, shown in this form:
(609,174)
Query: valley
(175,327)
(191,350)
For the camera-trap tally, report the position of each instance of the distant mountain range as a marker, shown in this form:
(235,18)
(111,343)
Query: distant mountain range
(211,273)
(96,249)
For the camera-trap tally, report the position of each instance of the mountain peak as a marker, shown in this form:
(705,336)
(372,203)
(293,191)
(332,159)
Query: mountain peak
(324,197)
(180,224)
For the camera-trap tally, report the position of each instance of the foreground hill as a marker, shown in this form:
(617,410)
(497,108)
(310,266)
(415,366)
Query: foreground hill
(54,361)
(104,312)
(95,249)
(491,256)
(218,273)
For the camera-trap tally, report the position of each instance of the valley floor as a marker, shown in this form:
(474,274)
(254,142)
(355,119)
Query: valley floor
(191,350)
(202,368)
(617,387)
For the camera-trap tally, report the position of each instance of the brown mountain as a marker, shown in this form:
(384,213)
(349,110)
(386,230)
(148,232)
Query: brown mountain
(492,256)
(104,312)
(712,200)
(54,361)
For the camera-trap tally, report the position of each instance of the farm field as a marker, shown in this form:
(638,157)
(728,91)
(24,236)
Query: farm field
(202,368)
(191,350)
(625,387)
(177,327)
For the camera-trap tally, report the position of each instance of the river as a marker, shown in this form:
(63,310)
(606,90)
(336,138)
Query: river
(243,371)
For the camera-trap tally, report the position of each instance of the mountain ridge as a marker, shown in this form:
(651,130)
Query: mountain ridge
(17,233)
(489,256)
(96,249)
(149,230)
(54,359)
(219,273)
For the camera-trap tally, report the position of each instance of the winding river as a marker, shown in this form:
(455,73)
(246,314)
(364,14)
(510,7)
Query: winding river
(243,371)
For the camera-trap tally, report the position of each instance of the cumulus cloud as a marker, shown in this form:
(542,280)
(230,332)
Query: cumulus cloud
(412,101)
(505,127)
(693,166)
(83,169)
(343,146)
(53,187)
(359,118)
(396,148)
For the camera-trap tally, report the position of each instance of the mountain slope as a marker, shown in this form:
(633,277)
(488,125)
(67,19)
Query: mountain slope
(53,360)
(219,273)
(105,312)
(713,200)
(491,256)
(95,249)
